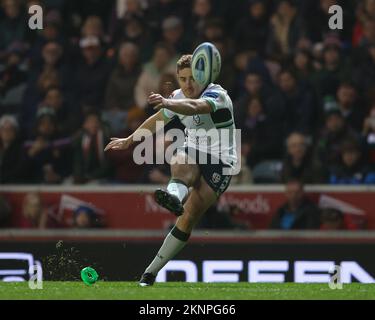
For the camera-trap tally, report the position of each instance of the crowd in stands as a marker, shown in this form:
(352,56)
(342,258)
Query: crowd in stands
(304,95)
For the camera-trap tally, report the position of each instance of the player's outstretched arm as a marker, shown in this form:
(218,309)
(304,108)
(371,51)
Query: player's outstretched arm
(186,107)
(124,143)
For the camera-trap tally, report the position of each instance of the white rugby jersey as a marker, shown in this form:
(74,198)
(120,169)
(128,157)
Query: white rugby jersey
(213,133)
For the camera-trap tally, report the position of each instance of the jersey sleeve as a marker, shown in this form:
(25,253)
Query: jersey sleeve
(168,114)
(216,99)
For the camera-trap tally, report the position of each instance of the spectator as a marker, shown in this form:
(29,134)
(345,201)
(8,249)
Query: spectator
(51,32)
(35,214)
(12,25)
(159,10)
(167,84)
(134,29)
(149,79)
(334,133)
(347,101)
(251,31)
(93,27)
(202,11)
(298,212)
(351,169)
(85,217)
(11,169)
(303,65)
(285,30)
(121,84)
(256,87)
(174,35)
(333,71)
(317,17)
(13,78)
(299,104)
(52,72)
(92,74)
(299,162)
(214,29)
(90,164)
(67,118)
(258,130)
(47,155)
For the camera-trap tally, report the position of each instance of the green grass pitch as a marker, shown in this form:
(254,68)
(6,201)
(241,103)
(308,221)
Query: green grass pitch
(185,291)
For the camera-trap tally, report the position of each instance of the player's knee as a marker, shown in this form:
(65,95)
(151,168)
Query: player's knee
(184,173)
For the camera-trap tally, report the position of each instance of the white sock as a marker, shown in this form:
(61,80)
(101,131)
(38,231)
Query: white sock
(173,244)
(178,188)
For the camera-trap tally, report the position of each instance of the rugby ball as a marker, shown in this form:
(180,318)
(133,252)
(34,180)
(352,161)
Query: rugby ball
(206,64)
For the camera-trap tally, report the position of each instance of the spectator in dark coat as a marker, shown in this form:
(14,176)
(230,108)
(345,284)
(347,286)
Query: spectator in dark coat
(299,162)
(298,212)
(202,11)
(303,65)
(173,32)
(258,129)
(257,87)
(11,170)
(121,84)
(68,118)
(135,29)
(90,163)
(286,29)
(92,74)
(52,72)
(85,217)
(334,69)
(12,25)
(299,104)
(334,133)
(251,31)
(351,169)
(48,153)
(13,78)
(350,107)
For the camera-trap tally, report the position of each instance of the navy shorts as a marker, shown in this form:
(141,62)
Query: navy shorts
(211,171)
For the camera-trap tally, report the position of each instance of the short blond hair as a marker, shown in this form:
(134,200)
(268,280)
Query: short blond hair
(184,62)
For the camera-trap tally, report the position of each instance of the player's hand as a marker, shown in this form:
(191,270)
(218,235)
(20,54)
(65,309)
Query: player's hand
(119,144)
(157,100)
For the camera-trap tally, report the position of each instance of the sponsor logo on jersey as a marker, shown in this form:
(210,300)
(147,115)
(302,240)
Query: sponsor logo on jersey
(197,119)
(216,177)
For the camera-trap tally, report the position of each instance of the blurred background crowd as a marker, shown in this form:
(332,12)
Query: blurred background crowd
(304,95)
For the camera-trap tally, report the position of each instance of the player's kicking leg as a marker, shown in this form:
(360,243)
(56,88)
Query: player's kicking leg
(184,175)
(200,199)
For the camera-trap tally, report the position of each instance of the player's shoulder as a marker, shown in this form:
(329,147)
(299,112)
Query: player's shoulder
(214,90)
(217,93)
